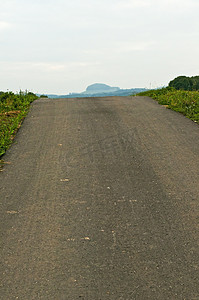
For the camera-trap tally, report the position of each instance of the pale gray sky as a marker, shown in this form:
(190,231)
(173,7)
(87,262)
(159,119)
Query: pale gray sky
(62,46)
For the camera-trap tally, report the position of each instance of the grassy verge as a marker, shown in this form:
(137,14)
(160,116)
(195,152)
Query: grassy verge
(185,102)
(13,109)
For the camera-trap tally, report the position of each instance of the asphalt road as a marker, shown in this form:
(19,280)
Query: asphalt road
(100,200)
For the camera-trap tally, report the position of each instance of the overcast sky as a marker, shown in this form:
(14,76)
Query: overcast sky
(62,46)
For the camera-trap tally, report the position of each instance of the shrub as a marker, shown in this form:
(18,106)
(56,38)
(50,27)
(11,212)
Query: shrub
(185,102)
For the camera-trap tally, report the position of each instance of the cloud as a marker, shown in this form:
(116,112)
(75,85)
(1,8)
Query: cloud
(133,4)
(170,5)
(59,67)
(45,67)
(136,46)
(5,25)
(116,48)
(64,44)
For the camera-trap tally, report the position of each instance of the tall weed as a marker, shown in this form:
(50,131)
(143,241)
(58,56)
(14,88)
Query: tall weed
(185,102)
(13,109)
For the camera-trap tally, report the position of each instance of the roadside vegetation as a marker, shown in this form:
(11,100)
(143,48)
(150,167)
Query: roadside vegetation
(185,102)
(13,109)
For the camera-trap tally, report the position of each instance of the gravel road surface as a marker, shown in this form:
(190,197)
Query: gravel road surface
(100,200)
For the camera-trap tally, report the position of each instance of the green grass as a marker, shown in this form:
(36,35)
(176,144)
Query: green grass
(185,102)
(13,109)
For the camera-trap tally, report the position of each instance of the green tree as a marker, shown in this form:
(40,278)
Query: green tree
(182,83)
(185,83)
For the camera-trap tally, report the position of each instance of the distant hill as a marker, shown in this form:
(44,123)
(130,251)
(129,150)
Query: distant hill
(100,90)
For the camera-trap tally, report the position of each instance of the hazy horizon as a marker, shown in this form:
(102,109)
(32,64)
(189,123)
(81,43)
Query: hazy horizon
(61,47)
(94,92)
